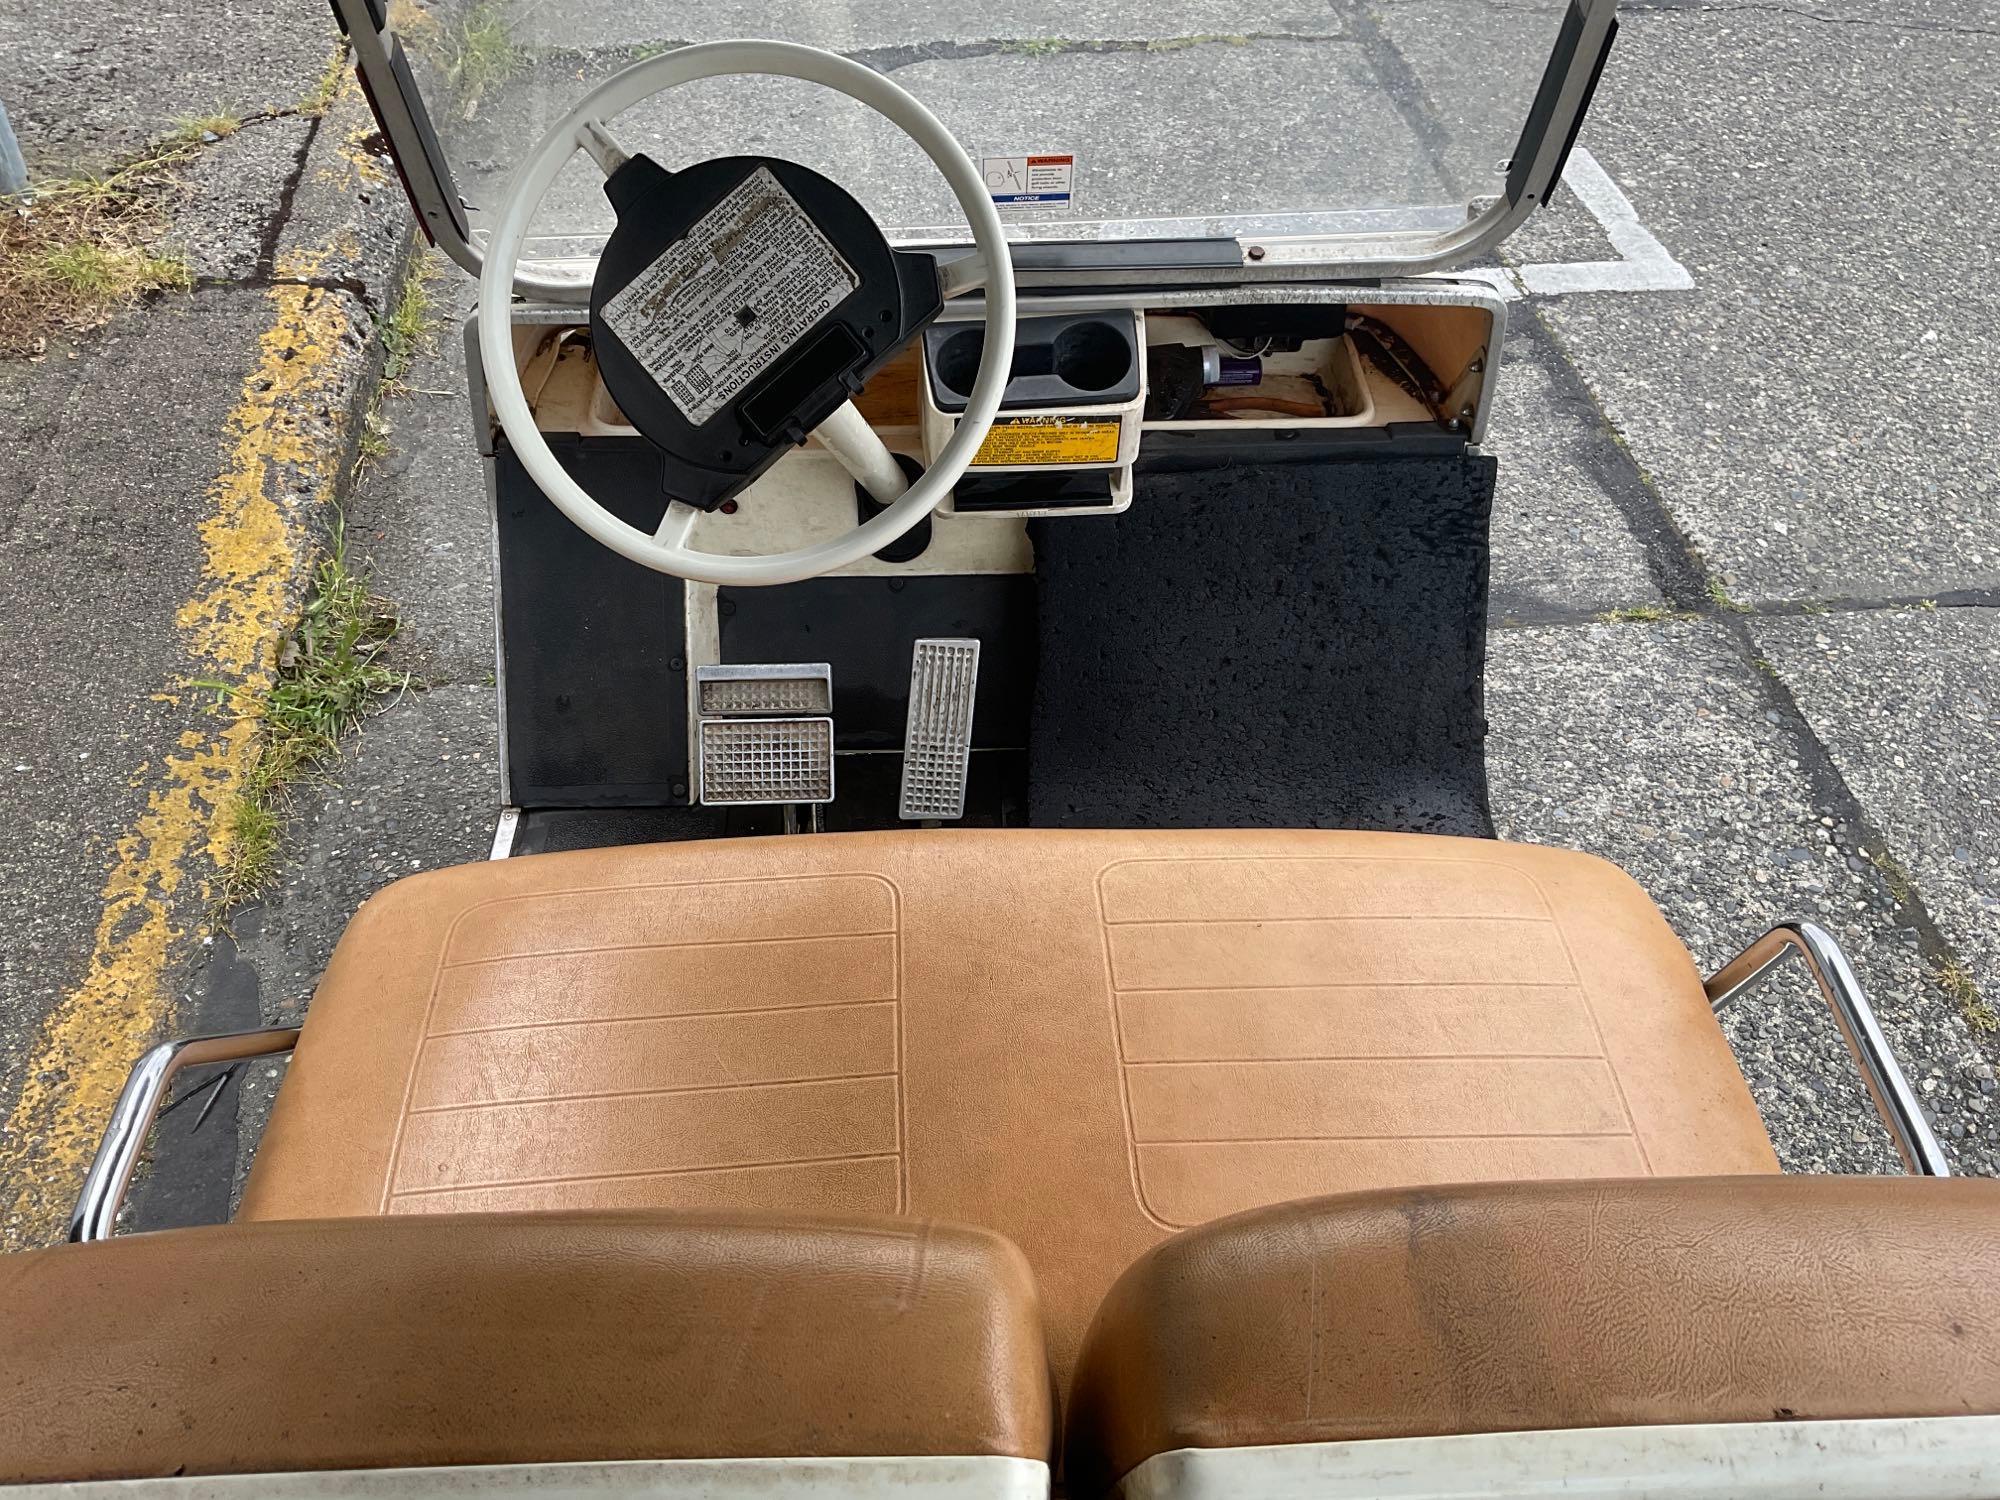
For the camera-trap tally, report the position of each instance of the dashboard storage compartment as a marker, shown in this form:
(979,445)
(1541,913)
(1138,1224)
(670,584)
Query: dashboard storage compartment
(1315,383)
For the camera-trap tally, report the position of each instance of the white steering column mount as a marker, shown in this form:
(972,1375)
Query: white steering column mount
(665,549)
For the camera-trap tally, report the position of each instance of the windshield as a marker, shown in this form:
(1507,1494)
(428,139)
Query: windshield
(1179,118)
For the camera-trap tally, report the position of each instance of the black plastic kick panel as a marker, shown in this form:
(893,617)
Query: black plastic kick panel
(737,304)
(592,647)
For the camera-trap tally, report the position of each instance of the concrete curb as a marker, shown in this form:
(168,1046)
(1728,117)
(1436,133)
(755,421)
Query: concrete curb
(349,238)
(334,247)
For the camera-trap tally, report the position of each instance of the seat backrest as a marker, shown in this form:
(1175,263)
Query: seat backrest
(526,1338)
(1539,1307)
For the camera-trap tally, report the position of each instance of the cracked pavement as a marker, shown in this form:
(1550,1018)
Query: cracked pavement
(1746,543)
(161,482)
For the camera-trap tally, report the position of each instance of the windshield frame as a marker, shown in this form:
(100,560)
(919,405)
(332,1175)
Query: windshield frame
(1371,249)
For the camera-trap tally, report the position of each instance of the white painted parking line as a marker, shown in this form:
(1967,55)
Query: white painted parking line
(1646,266)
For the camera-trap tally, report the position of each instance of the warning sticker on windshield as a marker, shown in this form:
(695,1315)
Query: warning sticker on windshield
(730,297)
(1049,440)
(1044,181)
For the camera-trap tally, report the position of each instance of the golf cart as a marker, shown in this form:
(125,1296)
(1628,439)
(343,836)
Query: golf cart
(995,976)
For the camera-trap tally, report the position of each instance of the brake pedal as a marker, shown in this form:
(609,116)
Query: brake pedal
(937,745)
(764,734)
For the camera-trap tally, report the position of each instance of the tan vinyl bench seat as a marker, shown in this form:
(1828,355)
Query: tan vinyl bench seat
(1081,1040)
(513,1339)
(1538,1307)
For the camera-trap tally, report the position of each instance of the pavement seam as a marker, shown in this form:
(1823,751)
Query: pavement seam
(1705,8)
(1837,800)
(1407,94)
(1675,563)
(1855,833)
(274,230)
(353,286)
(1527,613)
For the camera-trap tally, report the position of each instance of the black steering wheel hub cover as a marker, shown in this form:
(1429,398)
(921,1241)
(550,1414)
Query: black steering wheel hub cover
(736,304)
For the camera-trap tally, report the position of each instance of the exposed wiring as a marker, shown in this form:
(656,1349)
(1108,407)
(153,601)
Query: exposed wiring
(1263,346)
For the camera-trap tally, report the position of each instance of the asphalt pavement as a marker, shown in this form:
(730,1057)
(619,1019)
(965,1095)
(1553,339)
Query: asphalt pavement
(163,483)
(1746,548)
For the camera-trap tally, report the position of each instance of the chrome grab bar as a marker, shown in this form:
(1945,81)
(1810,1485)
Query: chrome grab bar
(1894,1099)
(96,1214)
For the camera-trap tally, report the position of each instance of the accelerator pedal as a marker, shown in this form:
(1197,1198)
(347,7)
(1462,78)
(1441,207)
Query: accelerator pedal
(937,745)
(764,734)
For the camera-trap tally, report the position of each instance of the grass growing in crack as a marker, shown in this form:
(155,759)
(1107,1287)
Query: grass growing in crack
(74,250)
(1719,597)
(475,56)
(1040,46)
(327,88)
(91,275)
(1049,46)
(201,130)
(1894,876)
(373,444)
(1957,983)
(330,677)
(487,53)
(1206,39)
(408,329)
(1638,614)
(411,325)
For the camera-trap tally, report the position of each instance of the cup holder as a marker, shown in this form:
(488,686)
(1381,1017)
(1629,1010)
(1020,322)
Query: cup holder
(1092,356)
(1058,361)
(956,361)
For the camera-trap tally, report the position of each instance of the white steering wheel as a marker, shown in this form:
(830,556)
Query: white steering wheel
(666,549)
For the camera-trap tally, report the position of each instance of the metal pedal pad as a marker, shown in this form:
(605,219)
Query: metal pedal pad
(764,734)
(762,691)
(937,745)
(750,761)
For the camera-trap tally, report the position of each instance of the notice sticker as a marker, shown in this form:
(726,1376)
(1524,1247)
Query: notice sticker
(1047,181)
(1049,440)
(730,297)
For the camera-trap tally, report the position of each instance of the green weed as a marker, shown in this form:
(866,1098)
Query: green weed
(73,250)
(330,677)
(327,88)
(1637,613)
(474,57)
(1958,984)
(411,326)
(1719,597)
(194,130)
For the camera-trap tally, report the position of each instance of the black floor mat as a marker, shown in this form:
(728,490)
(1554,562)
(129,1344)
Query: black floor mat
(1268,646)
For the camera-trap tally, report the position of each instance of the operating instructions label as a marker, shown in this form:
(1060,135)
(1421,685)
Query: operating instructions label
(730,297)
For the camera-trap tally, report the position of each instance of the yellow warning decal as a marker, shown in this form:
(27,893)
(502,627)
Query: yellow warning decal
(1049,440)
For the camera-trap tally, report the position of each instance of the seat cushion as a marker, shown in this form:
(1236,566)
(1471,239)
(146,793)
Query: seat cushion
(1082,1040)
(1536,1307)
(522,1338)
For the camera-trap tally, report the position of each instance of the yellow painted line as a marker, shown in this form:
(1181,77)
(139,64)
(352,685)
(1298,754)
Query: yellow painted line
(280,449)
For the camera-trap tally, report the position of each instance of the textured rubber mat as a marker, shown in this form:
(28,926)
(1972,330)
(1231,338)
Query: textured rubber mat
(1268,646)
